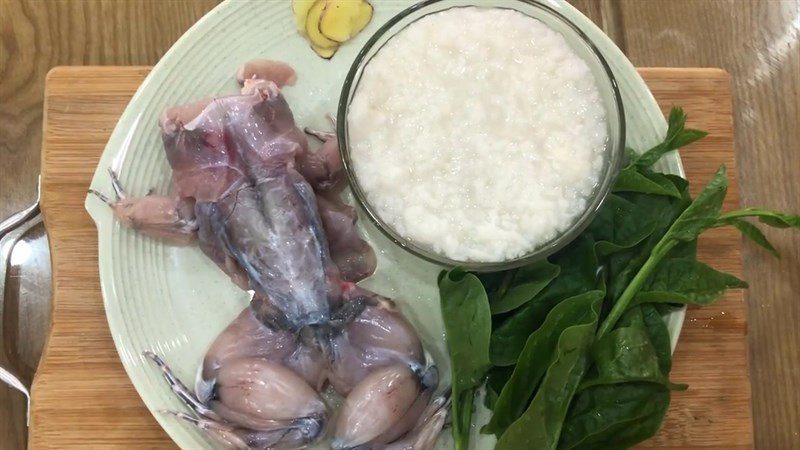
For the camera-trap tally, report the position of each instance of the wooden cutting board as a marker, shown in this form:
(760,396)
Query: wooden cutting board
(83,399)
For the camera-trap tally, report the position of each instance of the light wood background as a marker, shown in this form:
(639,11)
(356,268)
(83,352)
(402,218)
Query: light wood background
(756,41)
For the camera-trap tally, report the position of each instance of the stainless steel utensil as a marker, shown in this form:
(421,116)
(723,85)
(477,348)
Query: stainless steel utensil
(11,231)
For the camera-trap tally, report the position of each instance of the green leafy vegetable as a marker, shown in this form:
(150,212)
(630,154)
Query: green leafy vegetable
(578,263)
(635,351)
(467,324)
(703,213)
(519,286)
(684,250)
(632,179)
(659,336)
(539,350)
(752,232)
(540,425)
(614,416)
(578,355)
(686,281)
(772,218)
(498,377)
(626,353)
(625,398)
(699,216)
(623,266)
(677,136)
(619,225)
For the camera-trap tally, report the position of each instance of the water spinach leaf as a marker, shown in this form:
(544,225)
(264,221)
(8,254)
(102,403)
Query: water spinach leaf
(579,274)
(619,225)
(704,211)
(538,353)
(540,425)
(614,416)
(686,281)
(519,286)
(637,350)
(753,233)
(658,334)
(631,179)
(700,215)
(774,219)
(467,324)
(677,136)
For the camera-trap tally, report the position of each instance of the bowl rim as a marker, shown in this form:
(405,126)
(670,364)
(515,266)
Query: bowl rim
(550,247)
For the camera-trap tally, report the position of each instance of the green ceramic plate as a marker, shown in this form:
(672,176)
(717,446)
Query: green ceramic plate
(173,300)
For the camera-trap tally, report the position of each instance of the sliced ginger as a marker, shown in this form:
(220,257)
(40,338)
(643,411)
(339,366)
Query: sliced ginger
(363,18)
(343,19)
(312,26)
(329,23)
(300,10)
(324,52)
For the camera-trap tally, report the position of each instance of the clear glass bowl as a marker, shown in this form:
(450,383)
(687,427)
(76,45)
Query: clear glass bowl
(583,47)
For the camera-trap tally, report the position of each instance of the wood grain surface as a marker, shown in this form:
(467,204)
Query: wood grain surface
(756,41)
(36,35)
(82,397)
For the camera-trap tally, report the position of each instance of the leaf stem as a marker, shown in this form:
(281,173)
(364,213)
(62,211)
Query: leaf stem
(621,305)
(764,215)
(454,410)
(747,212)
(460,433)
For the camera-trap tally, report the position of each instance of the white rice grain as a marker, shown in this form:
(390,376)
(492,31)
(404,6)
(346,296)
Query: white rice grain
(478,133)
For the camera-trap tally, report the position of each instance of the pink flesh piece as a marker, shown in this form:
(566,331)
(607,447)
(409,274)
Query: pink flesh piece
(247,337)
(236,159)
(202,166)
(349,366)
(251,86)
(375,406)
(378,337)
(262,391)
(310,363)
(214,248)
(352,255)
(266,211)
(323,168)
(278,72)
(424,435)
(177,116)
(385,334)
(159,217)
(407,421)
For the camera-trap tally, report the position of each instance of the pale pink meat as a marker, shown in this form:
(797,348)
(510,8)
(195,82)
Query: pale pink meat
(278,72)
(266,209)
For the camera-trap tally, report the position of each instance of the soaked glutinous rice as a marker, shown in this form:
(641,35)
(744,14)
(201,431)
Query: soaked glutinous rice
(477,133)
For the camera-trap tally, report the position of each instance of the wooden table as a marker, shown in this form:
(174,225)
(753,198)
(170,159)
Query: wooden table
(756,41)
